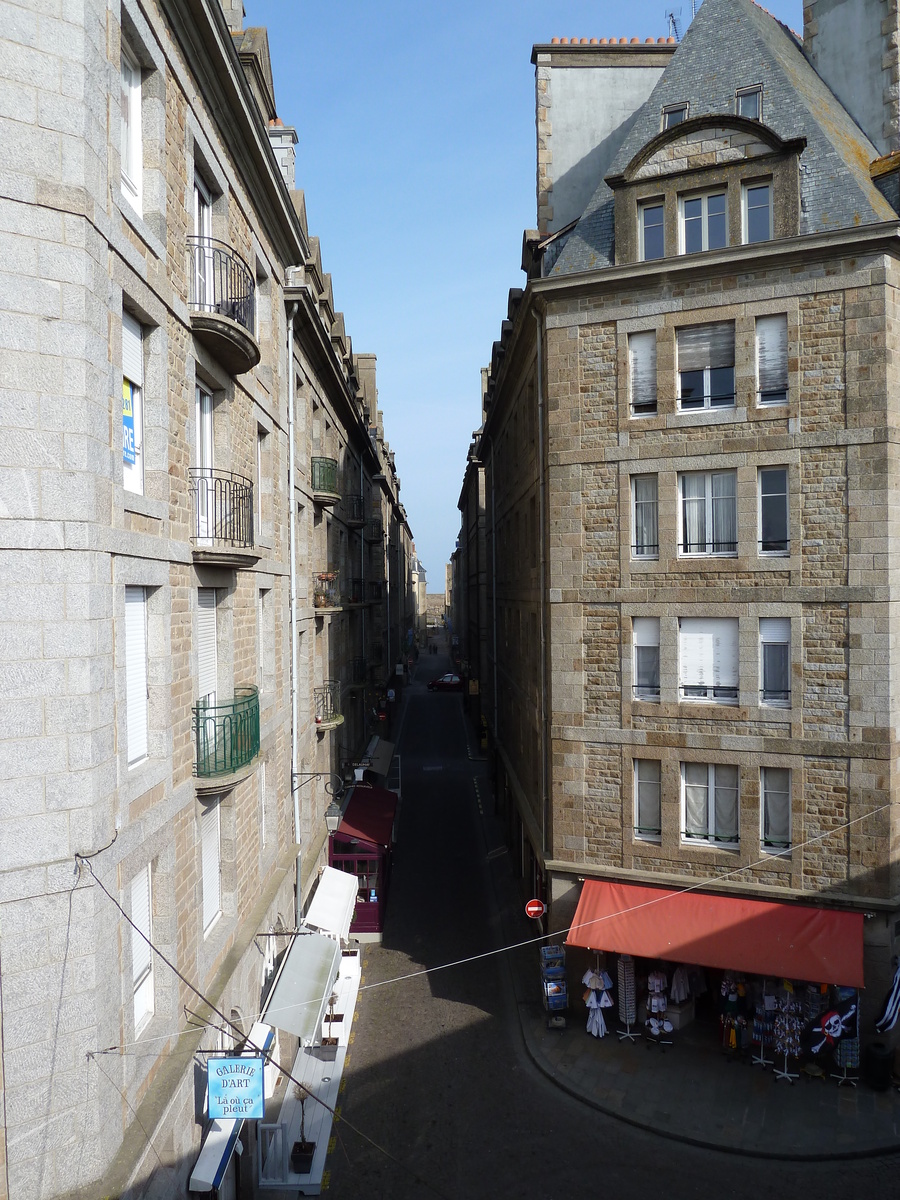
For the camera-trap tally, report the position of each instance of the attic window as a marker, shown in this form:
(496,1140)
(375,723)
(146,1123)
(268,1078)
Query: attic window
(674,114)
(748,102)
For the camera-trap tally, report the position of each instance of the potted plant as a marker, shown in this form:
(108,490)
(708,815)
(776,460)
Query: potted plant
(302,1151)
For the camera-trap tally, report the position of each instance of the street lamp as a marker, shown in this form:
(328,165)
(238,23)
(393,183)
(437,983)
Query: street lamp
(332,816)
(334,787)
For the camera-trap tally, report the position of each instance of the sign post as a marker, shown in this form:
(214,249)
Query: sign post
(535,908)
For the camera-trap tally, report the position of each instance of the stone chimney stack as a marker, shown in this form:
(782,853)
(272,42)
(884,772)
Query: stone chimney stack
(234,14)
(283,139)
(853,45)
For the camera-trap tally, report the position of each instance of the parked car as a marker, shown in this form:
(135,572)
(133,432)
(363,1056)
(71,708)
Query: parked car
(445,683)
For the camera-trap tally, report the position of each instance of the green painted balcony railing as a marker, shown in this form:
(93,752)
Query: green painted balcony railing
(324,476)
(226,736)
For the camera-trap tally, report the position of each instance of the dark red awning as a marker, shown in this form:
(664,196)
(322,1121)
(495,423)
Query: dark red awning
(759,937)
(369,815)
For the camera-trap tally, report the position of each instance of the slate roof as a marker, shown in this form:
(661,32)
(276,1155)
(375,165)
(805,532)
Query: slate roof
(733,44)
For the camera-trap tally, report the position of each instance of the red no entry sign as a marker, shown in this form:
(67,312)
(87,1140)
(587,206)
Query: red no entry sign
(535,908)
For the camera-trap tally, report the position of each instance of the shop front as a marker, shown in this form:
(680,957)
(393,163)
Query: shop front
(777,983)
(362,845)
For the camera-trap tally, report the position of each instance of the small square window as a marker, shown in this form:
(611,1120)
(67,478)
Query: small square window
(748,103)
(652,240)
(674,114)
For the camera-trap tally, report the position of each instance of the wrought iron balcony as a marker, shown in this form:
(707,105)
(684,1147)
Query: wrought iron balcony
(325,589)
(354,592)
(222,516)
(223,303)
(356,511)
(328,705)
(375,591)
(374,529)
(324,480)
(226,736)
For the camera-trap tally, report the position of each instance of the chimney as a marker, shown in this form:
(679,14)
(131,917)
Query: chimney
(234,14)
(283,139)
(853,45)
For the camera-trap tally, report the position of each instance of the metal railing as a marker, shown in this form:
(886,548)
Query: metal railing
(374,529)
(328,703)
(690,691)
(645,691)
(354,591)
(221,282)
(375,589)
(324,475)
(222,506)
(325,589)
(356,510)
(226,736)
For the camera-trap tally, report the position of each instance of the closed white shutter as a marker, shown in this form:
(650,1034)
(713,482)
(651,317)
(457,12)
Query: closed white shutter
(771,359)
(775,629)
(646,631)
(141,954)
(209,840)
(709,652)
(132,350)
(136,673)
(207,658)
(642,354)
(725,653)
(702,346)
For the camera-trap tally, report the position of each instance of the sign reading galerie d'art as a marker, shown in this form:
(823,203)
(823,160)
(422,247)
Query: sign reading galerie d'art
(235,1088)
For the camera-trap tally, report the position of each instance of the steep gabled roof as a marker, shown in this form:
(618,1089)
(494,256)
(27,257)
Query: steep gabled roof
(733,44)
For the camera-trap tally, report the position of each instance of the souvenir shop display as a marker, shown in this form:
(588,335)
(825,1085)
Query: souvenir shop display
(627,998)
(762,1034)
(657,1026)
(733,1014)
(597,996)
(846,1052)
(788,1025)
(553,983)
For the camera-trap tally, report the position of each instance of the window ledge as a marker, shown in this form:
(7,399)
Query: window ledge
(141,228)
(707,416)
(144,506)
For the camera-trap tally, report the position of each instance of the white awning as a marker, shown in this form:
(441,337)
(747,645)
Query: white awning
(381,759)
(217,1149)
(302,989)
(333,905)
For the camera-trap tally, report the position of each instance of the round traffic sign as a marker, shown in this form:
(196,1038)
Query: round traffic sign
(535,908)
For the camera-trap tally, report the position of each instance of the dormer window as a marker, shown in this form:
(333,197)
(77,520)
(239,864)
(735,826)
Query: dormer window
(703,222)
(748,102)
(757,212)
(674,114)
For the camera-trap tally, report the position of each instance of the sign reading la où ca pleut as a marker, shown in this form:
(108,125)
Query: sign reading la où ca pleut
(235,1088)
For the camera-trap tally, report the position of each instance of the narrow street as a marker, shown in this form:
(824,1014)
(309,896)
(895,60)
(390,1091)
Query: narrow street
(440,1097)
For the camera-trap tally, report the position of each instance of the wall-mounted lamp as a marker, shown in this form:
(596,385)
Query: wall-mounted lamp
(332,816)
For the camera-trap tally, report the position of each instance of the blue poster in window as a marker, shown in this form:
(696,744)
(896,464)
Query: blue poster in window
(129,454)
(235,1088)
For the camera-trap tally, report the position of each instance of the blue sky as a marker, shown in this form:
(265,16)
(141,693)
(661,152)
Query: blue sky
(417,157)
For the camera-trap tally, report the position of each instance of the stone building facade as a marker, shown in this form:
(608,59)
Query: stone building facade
(688,471)
(175,697)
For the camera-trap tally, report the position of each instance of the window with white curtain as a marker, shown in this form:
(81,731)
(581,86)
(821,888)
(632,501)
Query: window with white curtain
(642,367)
(141,954)
(775,789)
(650,231)
(131,143)
(136,699)
(772,359)
(132,404)
(645,516)
(708,512)
(703,222)
(647,786)
(775,660)
(211,861)
(708,658)
(705,366)
(774,525)
(645,631)
(710,802)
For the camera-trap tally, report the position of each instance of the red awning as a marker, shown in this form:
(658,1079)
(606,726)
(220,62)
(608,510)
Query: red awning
(369,815)
(759,937)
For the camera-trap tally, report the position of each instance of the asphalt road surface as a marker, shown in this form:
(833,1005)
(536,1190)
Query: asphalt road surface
(439,1097)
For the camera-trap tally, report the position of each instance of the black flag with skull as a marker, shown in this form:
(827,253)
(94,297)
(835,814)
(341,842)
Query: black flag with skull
(823,1033)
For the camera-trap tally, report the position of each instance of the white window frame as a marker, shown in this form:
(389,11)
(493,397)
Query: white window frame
(643,209)
(769,796)
(704,219)
(132,404)
(644,516)
(701,350)
(719,781)
(772,382)
(775,632)
(131,145)
(647,792)
(141,953)
(645,638)
(642,373)
(712,505)
(773,551)
(137,705)
(211,862)
(206,484)
(203,259)
(746,189)
(674,114)
(754,90)
(709,660)
(261,785)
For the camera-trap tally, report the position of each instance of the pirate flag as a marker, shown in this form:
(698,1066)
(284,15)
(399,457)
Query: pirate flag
(823,1033)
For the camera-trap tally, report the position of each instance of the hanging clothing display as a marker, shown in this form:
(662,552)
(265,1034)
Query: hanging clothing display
(788,1024)
(681,988)
(627,996)
(596,1024)
(597,997)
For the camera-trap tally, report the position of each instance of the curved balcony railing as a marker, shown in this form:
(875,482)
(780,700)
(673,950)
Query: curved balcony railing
(221,282)
(222,505)
(226,736)
(328,704)
(356,510)
(324,480)
(325,589)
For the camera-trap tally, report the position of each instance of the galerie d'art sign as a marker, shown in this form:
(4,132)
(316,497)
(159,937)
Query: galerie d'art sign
(236,1088)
